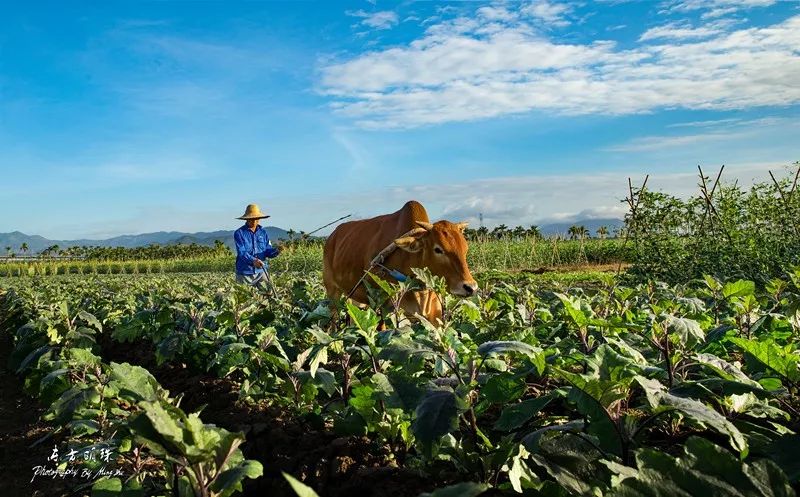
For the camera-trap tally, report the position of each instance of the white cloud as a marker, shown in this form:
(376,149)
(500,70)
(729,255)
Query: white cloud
(377,20)
(715,8)
(719,130)
(496,13)
(471,68)
(679,31)
(550,12)
(650,143)
(704,124)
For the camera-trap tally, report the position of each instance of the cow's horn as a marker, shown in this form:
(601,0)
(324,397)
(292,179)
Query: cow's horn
(427,226)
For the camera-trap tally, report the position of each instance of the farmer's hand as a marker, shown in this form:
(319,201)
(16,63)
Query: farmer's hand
(257,263)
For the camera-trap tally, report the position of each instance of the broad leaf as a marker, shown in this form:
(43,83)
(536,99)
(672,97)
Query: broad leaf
(774,357)
(465,489)
(504,347)
(659,399)
(516,415)
(436,415)
(706,469)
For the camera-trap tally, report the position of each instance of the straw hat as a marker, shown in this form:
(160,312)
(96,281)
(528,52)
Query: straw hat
(252,212)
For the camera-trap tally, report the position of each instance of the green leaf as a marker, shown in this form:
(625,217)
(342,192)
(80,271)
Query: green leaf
(503,347)
(366,320)
(688,330)
(784,451)
(660,399)
(91,320)
(107,487)
(436,416)
(608,364)
(572,306)
(31,358)
(725,369)
(326,380)
(230,481)
(516,415)
(158,427)
(595,399)
(113,487)
(465,489)
(318,356)
(771,355)
(128,332)
(134,382)
(740,288)
(520,474)
(80,427)
(383,284)
(503,388)
(63,409)
(401,350)
(705,469)
(300,488)
(83,357)
(361,400)
(572,461)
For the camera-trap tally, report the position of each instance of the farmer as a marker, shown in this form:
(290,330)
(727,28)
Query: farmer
(252,249)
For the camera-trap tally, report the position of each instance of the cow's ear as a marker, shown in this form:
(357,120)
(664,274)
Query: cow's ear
(409,243)
(462,226)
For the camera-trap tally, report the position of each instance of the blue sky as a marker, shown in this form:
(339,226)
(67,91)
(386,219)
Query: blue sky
(123,117)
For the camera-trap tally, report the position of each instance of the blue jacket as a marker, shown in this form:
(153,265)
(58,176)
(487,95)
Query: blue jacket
(251,245)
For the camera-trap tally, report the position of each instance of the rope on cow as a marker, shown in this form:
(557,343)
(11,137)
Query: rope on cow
(379,259)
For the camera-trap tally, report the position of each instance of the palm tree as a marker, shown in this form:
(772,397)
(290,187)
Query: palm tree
(8,251)
(573,232)
(291,234)
(24,248)
(602,232)
(534,232)
(500,231)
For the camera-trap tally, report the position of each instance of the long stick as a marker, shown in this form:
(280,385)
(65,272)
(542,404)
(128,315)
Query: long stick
(269,282)
(330,223)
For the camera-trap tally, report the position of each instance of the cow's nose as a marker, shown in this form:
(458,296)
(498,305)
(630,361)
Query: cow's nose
(469,289)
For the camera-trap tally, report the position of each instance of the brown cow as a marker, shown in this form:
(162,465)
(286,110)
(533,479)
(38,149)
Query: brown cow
(440,247)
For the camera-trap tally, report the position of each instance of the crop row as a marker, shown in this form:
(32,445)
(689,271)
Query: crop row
(503,255)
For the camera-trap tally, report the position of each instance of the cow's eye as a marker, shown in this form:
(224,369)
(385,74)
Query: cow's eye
(438,250)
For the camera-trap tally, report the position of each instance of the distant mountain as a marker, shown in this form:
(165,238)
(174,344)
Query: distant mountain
(38,243)
(592,225)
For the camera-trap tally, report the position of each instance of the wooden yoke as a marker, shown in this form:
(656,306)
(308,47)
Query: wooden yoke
(381,257)
(378,259)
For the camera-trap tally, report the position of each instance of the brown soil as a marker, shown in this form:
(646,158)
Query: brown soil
(20,428)
(603,268)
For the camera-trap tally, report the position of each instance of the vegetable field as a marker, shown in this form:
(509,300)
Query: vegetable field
(537,386)
(503,255)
